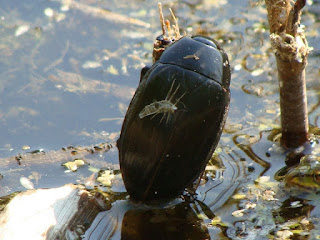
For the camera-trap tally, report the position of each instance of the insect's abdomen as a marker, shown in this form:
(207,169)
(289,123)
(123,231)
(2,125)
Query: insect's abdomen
(159,158)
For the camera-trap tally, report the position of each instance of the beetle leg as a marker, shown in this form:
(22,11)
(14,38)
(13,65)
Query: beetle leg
(143,72)
(199,181)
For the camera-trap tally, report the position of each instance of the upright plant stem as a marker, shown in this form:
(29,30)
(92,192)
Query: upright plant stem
(291,50)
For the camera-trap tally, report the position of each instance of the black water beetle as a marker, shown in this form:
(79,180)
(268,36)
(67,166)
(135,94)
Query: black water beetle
(175,119)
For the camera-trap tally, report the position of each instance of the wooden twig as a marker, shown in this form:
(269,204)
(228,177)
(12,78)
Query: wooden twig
(291,50)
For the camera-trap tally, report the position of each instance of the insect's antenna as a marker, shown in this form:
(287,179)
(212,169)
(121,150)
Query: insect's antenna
(176,26)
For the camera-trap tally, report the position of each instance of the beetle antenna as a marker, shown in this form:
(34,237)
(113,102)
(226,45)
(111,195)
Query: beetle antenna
(176,25)
(161,18)
(169,28)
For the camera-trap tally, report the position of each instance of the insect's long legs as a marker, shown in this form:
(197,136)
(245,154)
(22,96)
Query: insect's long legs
(170,90)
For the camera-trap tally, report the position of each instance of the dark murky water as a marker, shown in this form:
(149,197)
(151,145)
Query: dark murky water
(68,74)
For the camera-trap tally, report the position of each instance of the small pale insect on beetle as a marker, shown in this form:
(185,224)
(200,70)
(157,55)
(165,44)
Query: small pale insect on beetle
(166,106)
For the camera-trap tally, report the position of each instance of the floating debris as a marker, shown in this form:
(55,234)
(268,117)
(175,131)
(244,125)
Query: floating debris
(295,204)
(112,70)
(72,82)
(250,205)
(25,147)
(238,213)
(47,214)
(216,221)
(74,152)
(239,196)
(106,177)
(257,72)
(37,151)
(22,30)
(284,234)
(49,12)
(26,183)
(91,64)
(73,166)
(103,13)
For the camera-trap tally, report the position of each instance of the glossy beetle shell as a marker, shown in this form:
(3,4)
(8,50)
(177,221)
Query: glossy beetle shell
(175,119)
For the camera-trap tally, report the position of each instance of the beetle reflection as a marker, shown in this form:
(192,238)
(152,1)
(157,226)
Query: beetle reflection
(126,220)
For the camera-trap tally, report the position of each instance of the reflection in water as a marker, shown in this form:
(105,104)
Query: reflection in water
(191,220)
(292,215)
(187,220)
(216,192)
(127,220)
(247,149)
